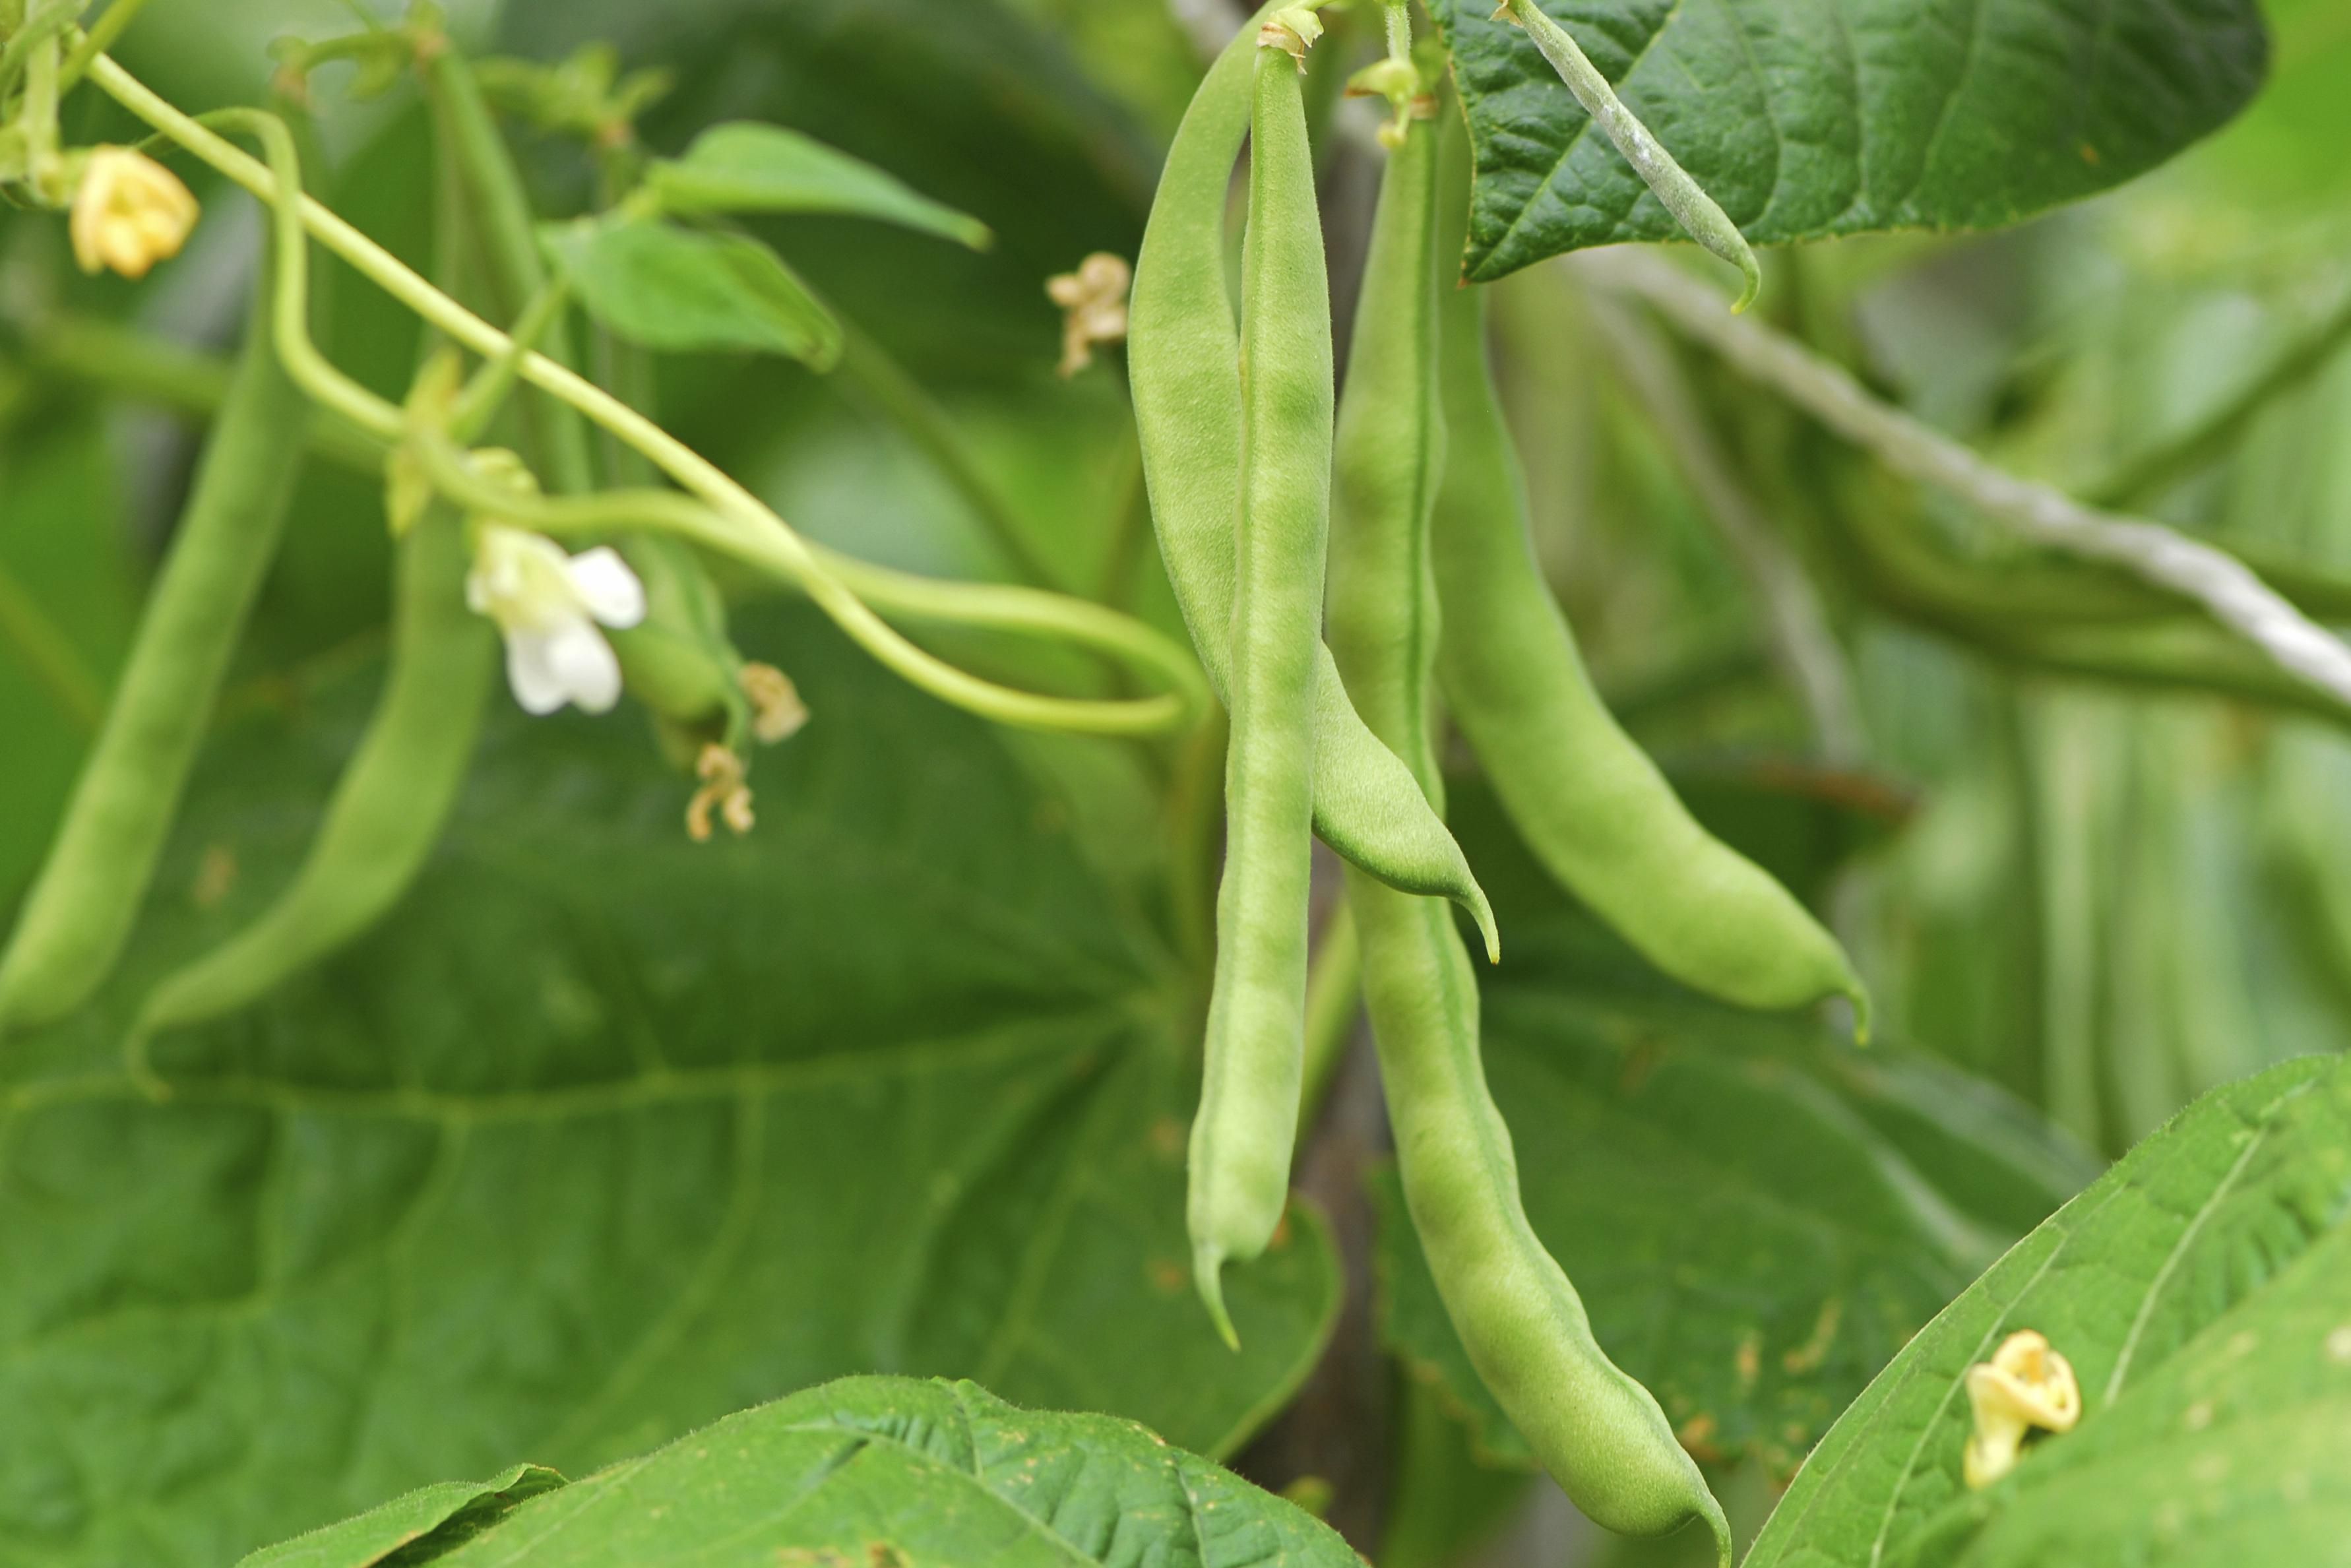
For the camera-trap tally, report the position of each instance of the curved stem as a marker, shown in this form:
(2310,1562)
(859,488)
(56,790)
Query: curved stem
(2225,586)
(733,519)
(842,586)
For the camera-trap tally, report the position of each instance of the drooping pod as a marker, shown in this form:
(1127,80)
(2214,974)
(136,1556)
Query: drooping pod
(80,911)
(1597,1431)
(1246,1129)
(1183,354)
(390,803)
(1589,803)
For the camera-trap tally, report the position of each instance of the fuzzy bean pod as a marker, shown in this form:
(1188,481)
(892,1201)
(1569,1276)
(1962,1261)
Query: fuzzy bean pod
(1591,804)
(1184,358)
(1246,1130)
(73,924)
(389,807)
(1598,1432)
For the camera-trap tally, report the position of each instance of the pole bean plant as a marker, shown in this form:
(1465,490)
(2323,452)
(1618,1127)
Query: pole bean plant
(892,783)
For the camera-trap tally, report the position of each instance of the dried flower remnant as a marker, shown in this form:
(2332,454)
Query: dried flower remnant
(128,212)
(723,790)
(1293,30)
(1094,308)
(2025,1384)
(777,712)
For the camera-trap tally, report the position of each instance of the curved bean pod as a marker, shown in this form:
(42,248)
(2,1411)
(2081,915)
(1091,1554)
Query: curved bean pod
(1246,1130)
(1591,804)
(389,807)
(1183,355)
(80,911)
(1598,1432)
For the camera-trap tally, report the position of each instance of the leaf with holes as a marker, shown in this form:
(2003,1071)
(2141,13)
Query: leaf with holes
(1811,118)
(605,1134)
(747,167)
(2202,1291)
(887,1472)
(667,287)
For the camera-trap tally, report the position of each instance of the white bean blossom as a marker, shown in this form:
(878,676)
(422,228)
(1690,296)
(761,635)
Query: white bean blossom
(550,607)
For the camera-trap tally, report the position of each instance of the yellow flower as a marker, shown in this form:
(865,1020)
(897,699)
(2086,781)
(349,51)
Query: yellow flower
(2025,1384)
(129,212)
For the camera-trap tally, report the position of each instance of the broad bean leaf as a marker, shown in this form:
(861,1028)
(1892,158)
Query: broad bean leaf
(2202,1291)
(1758,1214)
(886,1472)
(748,167)
(667,287)
(1812,118)
(606,1134)
(428,1518)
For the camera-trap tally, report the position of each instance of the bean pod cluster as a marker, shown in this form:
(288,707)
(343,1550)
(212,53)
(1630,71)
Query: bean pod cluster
(1415,485)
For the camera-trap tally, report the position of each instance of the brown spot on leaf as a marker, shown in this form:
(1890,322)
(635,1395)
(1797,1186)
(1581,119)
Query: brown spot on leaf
(1810,1355)
(1696,1439)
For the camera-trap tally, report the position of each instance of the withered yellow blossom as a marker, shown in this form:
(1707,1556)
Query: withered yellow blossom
(2025,1384)
(1094,308)
(128,212)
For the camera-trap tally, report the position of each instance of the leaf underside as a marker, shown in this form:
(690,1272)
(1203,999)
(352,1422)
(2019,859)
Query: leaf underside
(1807,119)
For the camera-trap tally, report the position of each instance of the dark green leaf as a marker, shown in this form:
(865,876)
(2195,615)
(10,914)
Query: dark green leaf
(747,167)
(672,289)
(416,1525)
(887,1472)
(1812,118)
(2202,1291)
(607,1134)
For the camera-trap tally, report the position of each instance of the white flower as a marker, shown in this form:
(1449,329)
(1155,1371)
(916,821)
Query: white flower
(548,604)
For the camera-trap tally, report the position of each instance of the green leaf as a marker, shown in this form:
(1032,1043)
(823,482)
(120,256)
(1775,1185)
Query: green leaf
(425,1520)
(680,291)
(1811,118)
(748,167)
(606,1134)
(1758,1214)
(2202,1291)
(886,1472)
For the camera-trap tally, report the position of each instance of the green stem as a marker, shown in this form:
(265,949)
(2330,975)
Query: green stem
(50,656)
(751,529)
(2147,475)
(1700,217)
(897,397)
(507,230)
(985,606)
(98,41)
(1334,998)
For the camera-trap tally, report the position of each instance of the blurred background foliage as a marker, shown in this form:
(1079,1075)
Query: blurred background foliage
(2106,899)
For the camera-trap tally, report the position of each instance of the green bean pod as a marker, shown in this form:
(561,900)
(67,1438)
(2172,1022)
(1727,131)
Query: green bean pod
(80,911)
(1598,1432)
(1183,355)
(390,805)
(1246,1130)
(1591,804)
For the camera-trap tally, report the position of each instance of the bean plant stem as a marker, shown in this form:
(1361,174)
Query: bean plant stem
(2223,585)
(1699,215)
(2150,472)
(751,530)
(1796,625)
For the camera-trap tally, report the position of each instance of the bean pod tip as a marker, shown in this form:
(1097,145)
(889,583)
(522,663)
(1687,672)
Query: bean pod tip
(1208,1277)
